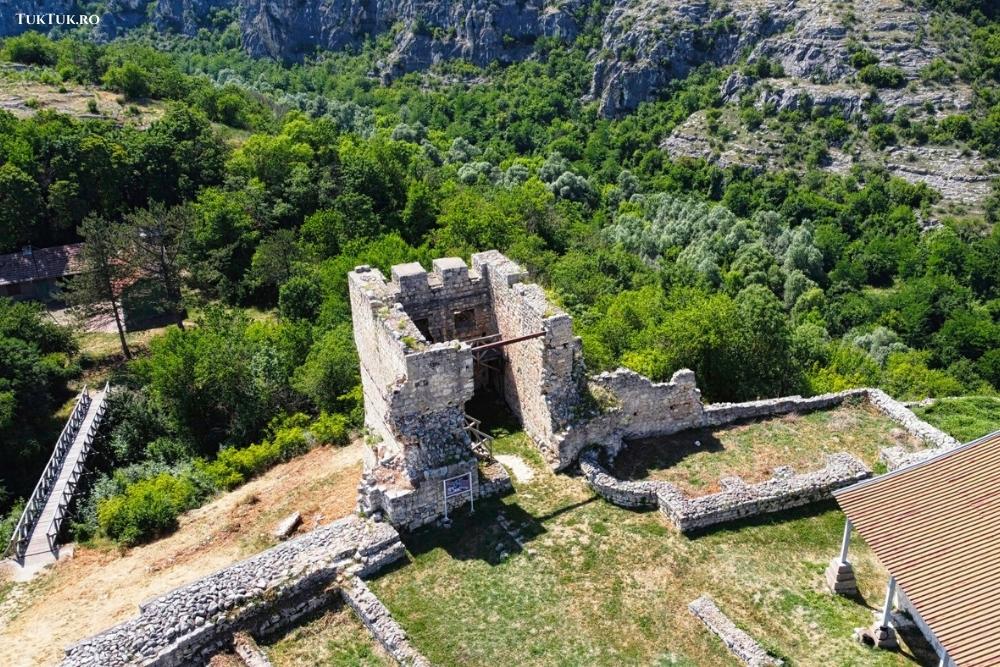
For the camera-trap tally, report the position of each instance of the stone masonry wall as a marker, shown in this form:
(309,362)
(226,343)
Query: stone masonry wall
(541,375)
(440,301)
(636,408)
(260,595)
(738,500)
(376,617)
(415,391)
(896,457)
(739,643)
(641,408)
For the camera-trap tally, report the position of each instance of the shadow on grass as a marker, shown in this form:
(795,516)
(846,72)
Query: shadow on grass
(640,457)
(490,534)
(770,519)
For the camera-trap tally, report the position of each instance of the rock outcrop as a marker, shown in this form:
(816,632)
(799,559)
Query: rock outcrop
(648,44)
(424,31)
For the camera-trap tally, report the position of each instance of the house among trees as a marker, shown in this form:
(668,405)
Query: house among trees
(934,526)
(34,274)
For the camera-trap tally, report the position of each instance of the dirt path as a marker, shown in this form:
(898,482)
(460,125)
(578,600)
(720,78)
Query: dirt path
(98,588)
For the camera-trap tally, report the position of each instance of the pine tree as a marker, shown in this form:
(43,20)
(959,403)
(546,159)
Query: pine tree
(97,289)
(153,237)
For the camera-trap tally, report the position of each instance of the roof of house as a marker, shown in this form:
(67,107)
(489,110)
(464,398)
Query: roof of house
(40,264)
(935,526)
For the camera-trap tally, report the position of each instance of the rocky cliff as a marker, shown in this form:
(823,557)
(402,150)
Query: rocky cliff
(423,31)
(648,43)
(645,43)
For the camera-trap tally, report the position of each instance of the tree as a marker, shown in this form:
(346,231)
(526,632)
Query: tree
(153,239)
(19,205)
(129,79)
(97,290)
(330,370)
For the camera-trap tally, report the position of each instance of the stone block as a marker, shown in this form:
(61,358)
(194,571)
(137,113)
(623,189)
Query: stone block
(840,578)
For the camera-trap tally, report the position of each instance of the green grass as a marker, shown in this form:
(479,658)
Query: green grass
(965,417)
(599,585)
(335,639)
(752,450)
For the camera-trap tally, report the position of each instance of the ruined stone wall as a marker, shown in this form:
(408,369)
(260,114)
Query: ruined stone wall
(738,500)
(739,643)
(631,406)
(414,391)
(376,617)
(720,414)
(261,595)
(450,303)
(541,375)
(897,457)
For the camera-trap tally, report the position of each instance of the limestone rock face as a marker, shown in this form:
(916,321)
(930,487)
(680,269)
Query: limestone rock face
(425,31)
(646,44)
(185,17)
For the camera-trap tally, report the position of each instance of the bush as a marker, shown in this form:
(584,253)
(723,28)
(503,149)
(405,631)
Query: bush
(31,48)
(881,77)
(147,508)
(129,79)
(331,429)
(234,466)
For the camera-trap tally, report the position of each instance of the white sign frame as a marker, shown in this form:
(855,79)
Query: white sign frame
(444,491)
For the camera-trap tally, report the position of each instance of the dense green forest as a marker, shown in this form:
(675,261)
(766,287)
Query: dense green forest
(267,182)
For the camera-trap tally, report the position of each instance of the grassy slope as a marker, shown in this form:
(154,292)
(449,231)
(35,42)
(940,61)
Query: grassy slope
(606,586)
(965,417)
(34,625)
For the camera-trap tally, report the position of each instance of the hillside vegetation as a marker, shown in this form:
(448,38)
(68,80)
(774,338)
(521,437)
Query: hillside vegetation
(236,209)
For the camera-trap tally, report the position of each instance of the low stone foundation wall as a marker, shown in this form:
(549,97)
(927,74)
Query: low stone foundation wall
(739,500)
(260,595)
(897,457)
(621,492)
(739,643)
(381,624)
(720,414)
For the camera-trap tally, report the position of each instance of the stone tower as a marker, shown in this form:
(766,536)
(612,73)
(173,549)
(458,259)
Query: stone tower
(427,342)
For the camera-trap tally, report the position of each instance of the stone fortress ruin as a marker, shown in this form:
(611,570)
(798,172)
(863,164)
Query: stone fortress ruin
(429,343)
(432,347)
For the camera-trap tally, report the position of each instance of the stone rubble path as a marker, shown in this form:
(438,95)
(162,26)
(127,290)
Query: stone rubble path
(517,466)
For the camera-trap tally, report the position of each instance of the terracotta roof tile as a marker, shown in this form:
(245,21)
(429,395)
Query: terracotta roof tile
(935,526)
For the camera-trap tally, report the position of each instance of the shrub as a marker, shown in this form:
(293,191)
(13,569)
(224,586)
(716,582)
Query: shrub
(882,77)
(31,48)
(147,508)
(129,79)
(881,135)
(331,429)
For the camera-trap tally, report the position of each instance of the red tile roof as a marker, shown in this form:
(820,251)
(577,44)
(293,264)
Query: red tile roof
(40,264)
(935,526)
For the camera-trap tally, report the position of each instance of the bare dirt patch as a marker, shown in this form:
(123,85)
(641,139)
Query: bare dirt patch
(26,98)
(517,466)
(101,587)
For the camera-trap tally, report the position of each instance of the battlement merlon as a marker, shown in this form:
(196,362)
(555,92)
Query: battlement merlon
(395,350)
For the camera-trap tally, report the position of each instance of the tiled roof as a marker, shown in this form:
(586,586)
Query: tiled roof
(40,264)
(935,526)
